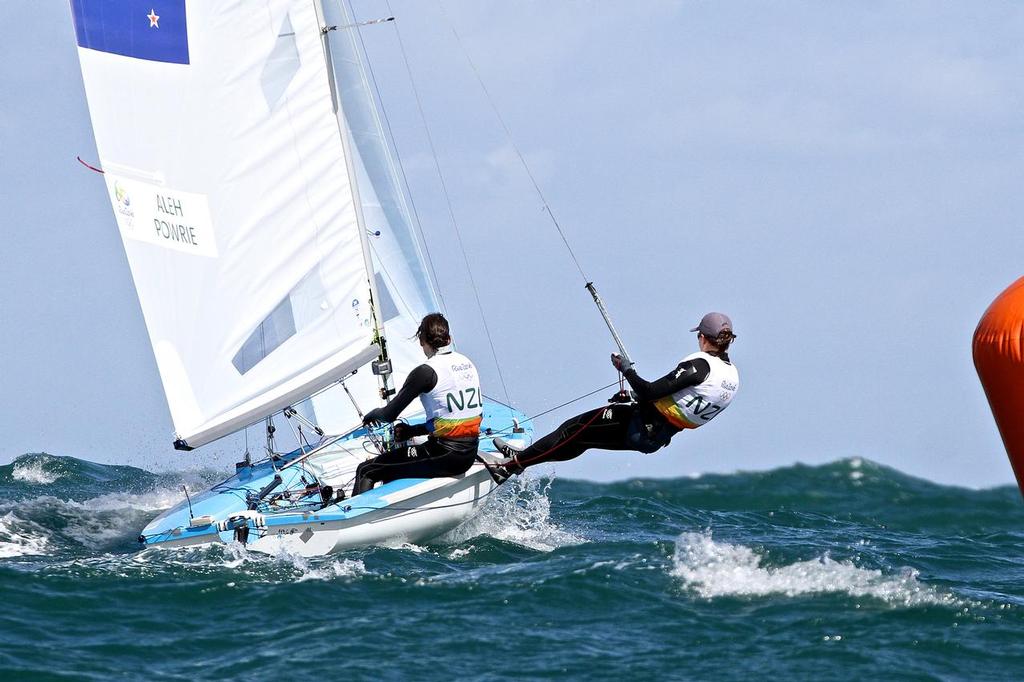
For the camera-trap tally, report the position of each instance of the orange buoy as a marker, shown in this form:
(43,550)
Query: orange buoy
(999,358)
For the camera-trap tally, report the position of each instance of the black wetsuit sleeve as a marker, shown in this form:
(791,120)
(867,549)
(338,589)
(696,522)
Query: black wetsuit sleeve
(417,430)
(688,373)
(420,380)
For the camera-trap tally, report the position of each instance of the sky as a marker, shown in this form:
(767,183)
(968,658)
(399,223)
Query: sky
(842,179)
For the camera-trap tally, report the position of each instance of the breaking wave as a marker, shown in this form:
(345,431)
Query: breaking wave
(720,569)
(18,538)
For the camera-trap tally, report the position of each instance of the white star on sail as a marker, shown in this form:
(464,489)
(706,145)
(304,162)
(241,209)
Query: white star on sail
(154,19)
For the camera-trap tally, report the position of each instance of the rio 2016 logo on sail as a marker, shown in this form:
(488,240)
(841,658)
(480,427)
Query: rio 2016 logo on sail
(124,205)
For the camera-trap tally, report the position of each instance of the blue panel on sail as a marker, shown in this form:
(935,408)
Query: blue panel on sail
(145,29)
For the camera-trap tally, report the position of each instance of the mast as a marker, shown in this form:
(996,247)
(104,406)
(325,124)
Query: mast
(382,367)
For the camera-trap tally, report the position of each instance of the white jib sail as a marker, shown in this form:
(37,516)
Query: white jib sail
(224,161)
(404,290)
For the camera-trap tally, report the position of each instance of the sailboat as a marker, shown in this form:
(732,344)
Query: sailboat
(275,260)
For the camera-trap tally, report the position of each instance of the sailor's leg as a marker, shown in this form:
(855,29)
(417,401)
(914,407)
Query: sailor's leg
(363,481)
(605,428)
(429,460)
(373,470)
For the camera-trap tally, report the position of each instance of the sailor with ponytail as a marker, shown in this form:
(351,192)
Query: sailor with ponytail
(448,386)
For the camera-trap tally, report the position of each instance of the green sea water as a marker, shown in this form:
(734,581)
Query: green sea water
(846,571)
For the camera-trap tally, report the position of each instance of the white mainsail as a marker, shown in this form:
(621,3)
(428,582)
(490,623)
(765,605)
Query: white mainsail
(225,163)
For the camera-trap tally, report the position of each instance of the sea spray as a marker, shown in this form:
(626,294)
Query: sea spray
(520,513)
(34,471)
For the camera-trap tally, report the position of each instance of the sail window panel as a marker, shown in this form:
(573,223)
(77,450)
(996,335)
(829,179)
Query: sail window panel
(277,328)
(303,305)
(281,66)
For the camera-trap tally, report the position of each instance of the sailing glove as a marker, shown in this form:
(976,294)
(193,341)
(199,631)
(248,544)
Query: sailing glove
(620,363)
(372,417)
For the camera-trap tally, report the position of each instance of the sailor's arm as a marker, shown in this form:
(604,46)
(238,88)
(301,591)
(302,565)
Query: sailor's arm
(688,373)
(420,380)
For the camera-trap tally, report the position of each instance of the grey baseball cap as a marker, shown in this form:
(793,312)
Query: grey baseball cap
(713,324)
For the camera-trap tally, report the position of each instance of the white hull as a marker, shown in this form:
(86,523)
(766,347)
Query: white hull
(403,511)
(417,514)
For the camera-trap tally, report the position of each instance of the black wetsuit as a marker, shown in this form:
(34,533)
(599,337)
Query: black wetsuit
(435,458)
(634,426)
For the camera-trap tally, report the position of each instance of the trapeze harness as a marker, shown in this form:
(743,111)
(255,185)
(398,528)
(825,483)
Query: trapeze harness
(691,395)
(449,389)
(701,386)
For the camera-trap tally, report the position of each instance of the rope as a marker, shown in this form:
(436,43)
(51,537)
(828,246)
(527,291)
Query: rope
(448,202)
(586,395)
(92,168)
(508,133)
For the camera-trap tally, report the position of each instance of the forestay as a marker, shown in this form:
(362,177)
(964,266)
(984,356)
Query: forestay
(404,290)
(225,165)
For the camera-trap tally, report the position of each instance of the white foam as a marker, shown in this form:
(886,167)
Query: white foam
(519,513)
(333,570)
(33,472)
(228,565)
(95,521)
(459,552)
(110,517)
(17,538)
(295,567)
(154,500)
(718,569)
(399,543)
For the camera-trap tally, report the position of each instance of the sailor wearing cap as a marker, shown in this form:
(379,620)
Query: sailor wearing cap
(644,420)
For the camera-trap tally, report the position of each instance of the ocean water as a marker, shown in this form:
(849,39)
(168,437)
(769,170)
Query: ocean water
(849,570)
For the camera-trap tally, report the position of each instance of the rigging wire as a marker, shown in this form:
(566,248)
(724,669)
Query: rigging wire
(544,202)
(508,133)
(418,223)
(570,402)
(485,436)
(448,202)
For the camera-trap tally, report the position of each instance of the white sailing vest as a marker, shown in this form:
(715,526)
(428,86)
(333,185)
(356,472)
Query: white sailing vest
(697,405)
(455,407)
